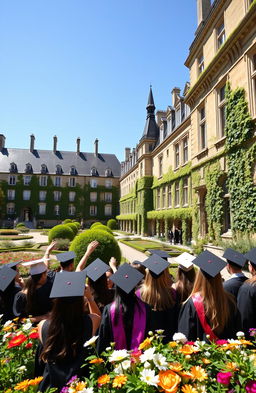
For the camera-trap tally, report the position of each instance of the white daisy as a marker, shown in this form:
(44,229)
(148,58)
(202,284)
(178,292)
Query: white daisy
(160,361)
(239,334)
(118,355)
(7,323)
(91,341)
(149,377)
(180,337)
(27,326)
(147,355)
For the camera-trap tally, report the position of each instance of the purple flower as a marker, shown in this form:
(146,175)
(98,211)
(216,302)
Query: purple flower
(64,389)
(73,379)
(251,387)
(224,378)
(252,332)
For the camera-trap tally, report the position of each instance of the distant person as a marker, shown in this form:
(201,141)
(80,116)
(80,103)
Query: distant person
(180,235)
(235,263)
(171,236)
(176,236)
(186,275)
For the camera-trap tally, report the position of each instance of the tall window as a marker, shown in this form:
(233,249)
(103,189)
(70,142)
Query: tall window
(108,210)
(93,196)
(42,208)
(71,196)
(43,181)
(26,195)
(200,63)
(12,180)
(160,160)
(164,196)
(93,210)
(177,155)
(72,182)
(253,77)
(11,195)
(57,181)
(26,180)
(42,195)
(108,196)
(222,111)
(202,128)
(177,193)
(10,208)
(221,37)
(158,198)
(71,210)
(108,183)
(93,183)
(73,171)
(185,191)
(169,196)
(13,167)
(185,149)
(58,170)
(57,210)
(57,195)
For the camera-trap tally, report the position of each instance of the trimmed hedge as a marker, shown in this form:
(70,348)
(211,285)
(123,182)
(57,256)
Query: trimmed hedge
(73,226)
(107,248)
(112,223)
(67,221)
(95,224)
(21,237)
(7,232)
(20,224)
(103,228)
(78,225)
(61,232)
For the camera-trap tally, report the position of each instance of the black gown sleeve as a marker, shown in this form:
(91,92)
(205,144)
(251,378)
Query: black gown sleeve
(188,321)
(105,331)
(246,303)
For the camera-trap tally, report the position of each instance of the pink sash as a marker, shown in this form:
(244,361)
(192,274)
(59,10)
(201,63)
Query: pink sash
(138,328)
(199,306)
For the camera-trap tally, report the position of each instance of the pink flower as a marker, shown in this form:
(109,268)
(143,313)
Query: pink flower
(224,378)
(251,387)
(190,342)
(221,342)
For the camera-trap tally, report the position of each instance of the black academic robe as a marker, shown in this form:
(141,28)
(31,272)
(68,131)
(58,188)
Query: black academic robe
(246,303)
(233,285)
(189,323)
(166,320)
(13,304)
(42,296)
(106,335)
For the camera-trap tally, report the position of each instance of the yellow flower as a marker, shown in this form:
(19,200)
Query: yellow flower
(175,366)
(119,381)
(246,342)
(35,381)
(80,386)
(146,343)
(96,361)
(206,361)
(22,385)
(188,389)
(8,391)
(103,379)
(231,366)
(187,349)
(173,344)
(198,373)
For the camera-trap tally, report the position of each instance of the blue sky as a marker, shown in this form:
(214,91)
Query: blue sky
(83,68)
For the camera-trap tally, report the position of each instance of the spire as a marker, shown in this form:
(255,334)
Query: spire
(151,129)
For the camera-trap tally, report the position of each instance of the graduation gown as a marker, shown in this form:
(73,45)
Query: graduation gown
(246,303)
(43,303)
(13,305)
(189,323)
(233,285)
(166,320)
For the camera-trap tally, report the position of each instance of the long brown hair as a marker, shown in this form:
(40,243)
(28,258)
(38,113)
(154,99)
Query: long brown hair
(157,292)
(252,280)
(216,300)
(30,287)
(185,283)
(66,329)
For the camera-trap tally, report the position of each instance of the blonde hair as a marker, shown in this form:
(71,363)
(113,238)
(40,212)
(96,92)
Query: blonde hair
(216,300)
(157,292)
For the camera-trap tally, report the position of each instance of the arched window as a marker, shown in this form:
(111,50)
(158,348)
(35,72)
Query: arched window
(28,168)
(58,170)
(73,170)
(108,172)
(94,172)
(43,168)
(13,168)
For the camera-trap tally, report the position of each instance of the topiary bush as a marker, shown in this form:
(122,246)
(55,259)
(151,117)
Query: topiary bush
(62,244)
(67,221)
(78,225)
(112,223)
(61,232)
(73,226)
(95,224)
(103,228)
(8,232)
(107,248)
(20,224)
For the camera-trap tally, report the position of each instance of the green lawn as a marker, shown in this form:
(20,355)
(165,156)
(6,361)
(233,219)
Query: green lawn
(144,245)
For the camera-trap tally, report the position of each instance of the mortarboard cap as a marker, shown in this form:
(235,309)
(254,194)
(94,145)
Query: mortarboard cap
(251,255)
(126,277)
(160,253)
(68,284)
(156,264)
(209,263)
(96,269)
(235,257)
(36,267)
(13,264)
(185,261)
(7,275)
(66,257)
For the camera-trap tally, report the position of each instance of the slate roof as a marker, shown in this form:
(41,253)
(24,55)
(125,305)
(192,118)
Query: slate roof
(151,129)
(82,162)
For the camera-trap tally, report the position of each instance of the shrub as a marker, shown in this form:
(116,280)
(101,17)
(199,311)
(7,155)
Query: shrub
(7,232)
(107,248)
(62,244)
(112,223)
(23,229)
(73,226)
(67,221)
(103,228)
(61,232)
(7,244)
(95,224)
(20,224)
(241,242)
(77,224)
(27,244)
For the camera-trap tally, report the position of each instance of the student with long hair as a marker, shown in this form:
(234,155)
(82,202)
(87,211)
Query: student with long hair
(210,312)
(246,300)
(63,335)
(186,275)
(156,291)
(125,320)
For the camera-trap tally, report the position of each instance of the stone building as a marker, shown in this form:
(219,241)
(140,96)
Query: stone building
(43,187)
(194,167)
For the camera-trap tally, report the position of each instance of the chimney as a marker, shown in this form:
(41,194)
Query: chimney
(127,153)
(203,9)
(78,146)
(96,143)
(55,139)
(32,143)
(2,141)
(175,95)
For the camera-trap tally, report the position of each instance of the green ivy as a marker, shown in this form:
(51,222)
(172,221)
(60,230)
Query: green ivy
(127,216)
(171,175)
(195,210)
(180,213)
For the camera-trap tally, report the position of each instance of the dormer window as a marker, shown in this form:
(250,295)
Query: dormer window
(94,172)
(108,172)
(43,168)
(58,170)
(73,171)
(28,168)
(13,168)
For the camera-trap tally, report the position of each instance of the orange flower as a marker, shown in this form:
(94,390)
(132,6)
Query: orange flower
(119,381)
(173,344)
(185,374)
(206,361)
(9,327)
(22,385)
(188,389)
(245,342)
(80,386)
(169,381)
(231,366)
(35,381)
(198,373)
(146,343)
(187,349)
(103,379)
(175,366)
(96,361)
(17,340)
